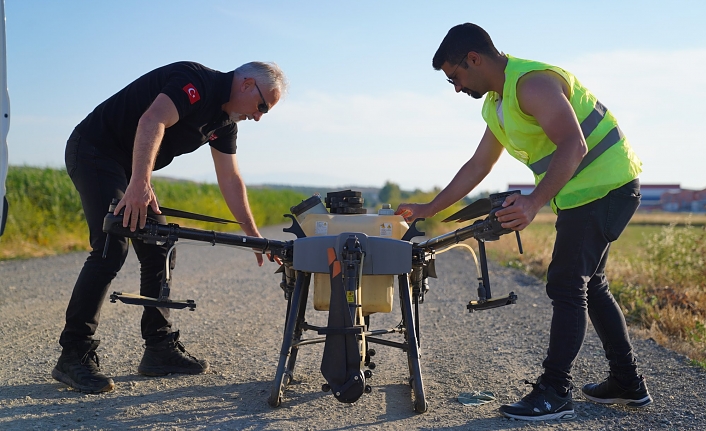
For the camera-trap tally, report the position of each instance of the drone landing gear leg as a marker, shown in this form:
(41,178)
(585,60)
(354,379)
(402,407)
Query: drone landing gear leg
(288,355)
(485,299)
(413,353)
(298,331)
(163,301)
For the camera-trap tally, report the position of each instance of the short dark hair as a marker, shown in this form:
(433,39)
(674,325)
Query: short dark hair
(461,40)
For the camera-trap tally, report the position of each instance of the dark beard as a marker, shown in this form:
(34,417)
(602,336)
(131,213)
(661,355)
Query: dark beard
(473,94)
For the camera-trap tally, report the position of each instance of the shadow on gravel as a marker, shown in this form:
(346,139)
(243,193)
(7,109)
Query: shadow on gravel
(228,406)
(142,403)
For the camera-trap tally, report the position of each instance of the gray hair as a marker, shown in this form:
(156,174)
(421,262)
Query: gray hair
(267,73)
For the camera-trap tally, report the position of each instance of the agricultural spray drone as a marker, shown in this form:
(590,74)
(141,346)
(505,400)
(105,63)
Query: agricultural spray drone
(353,258)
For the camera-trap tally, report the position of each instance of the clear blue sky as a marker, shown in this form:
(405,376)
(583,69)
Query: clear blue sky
(365,105)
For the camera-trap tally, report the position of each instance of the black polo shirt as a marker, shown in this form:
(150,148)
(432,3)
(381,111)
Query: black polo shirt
(197,92)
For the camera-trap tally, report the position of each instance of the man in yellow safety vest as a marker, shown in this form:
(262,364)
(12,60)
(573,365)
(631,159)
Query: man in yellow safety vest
(585,168)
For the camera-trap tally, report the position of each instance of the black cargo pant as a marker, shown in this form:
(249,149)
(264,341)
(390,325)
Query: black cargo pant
(577,285)
(99,179)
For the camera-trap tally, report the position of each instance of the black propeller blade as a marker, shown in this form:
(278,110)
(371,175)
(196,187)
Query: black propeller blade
(191,216)
(478,208)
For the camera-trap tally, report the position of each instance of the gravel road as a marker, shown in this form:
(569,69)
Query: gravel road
(238,327)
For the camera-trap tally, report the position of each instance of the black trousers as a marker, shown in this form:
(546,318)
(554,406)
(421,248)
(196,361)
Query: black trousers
(577,285)
(98,180)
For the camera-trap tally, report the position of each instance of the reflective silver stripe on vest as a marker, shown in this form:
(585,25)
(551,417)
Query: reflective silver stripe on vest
(588,125)
(612,138)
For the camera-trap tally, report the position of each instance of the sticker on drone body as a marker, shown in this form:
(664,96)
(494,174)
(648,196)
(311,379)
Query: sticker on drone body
(321,228)
(386,229)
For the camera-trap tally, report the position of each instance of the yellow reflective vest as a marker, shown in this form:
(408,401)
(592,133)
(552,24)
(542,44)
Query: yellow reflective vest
(610,162)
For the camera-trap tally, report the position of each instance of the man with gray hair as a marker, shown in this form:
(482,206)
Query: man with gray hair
(112,153)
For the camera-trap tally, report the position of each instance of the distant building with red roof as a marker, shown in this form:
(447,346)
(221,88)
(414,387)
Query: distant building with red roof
(684,200)
(665,197)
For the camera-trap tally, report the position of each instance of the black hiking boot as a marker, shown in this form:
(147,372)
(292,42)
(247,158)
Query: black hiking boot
(169,356)
(79,368)
(611,391)
(543,403)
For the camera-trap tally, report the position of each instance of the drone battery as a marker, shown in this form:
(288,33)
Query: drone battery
(376,290)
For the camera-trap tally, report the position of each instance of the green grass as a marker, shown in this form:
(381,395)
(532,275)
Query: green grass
(267,206)
(45,214)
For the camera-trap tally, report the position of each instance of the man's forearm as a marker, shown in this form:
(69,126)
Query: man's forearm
(147,140)
(236,198)
(467,178)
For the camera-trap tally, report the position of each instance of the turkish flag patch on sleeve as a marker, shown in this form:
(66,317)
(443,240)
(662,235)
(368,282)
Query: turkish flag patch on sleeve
(193,94)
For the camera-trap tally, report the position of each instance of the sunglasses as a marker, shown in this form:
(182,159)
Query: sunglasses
(262,107)
(453,75)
